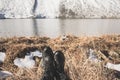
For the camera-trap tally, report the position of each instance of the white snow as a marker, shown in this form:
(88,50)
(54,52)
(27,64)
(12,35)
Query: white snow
(48,8)
(60,8)
(16,8)
(113,66)
(93,57)
(37,53)
(28,61)
(2,56)
(4,74)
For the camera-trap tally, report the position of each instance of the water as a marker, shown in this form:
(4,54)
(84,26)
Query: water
(56,27)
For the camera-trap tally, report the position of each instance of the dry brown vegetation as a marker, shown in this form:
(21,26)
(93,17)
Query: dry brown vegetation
(77,65)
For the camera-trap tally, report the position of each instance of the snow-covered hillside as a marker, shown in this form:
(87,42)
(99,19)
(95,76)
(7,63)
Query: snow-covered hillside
(60,8)
(16,8)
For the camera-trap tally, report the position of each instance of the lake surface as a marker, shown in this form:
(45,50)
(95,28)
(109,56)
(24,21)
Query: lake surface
(56,27)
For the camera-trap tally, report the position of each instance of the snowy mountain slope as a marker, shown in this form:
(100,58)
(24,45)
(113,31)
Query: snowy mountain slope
(16,8)
(60,8)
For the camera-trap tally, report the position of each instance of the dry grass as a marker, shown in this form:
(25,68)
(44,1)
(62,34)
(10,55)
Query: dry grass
(77,65)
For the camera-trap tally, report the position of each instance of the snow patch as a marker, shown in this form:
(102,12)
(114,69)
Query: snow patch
(2,56)
(4,74)
(28,61)
(37,53)
(113,66)
(93,57)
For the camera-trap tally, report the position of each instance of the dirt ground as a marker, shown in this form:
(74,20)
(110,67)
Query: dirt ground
(75,49)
